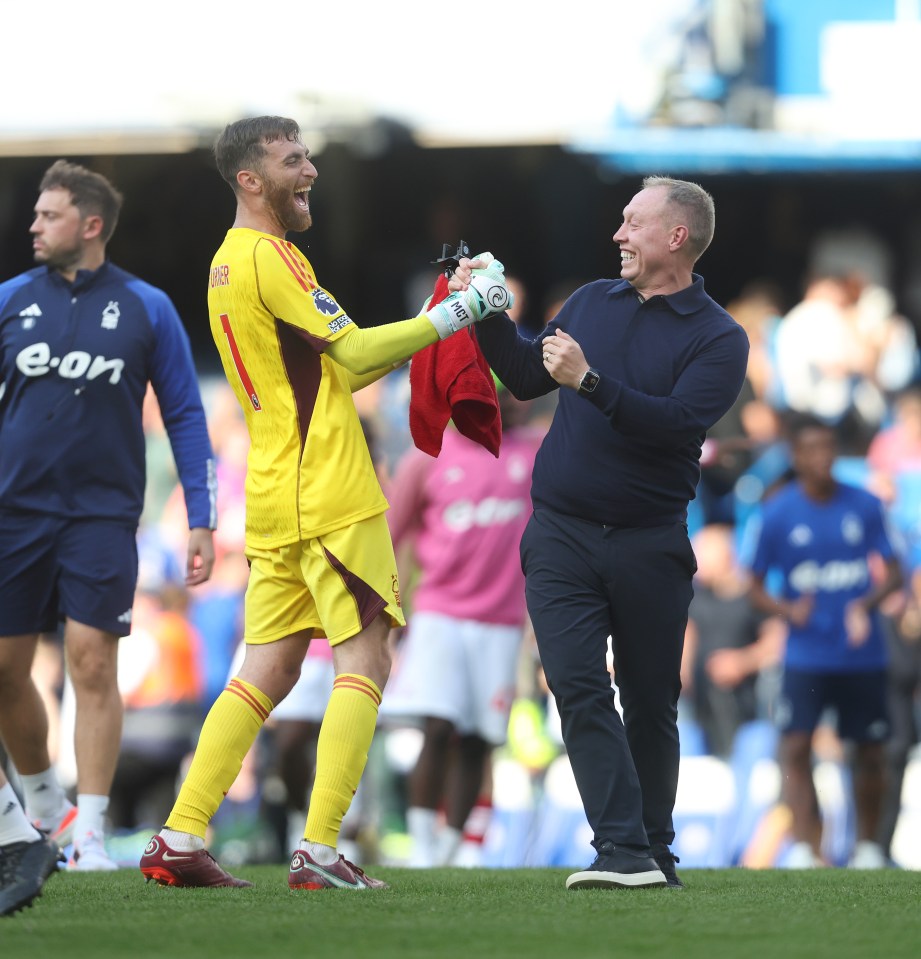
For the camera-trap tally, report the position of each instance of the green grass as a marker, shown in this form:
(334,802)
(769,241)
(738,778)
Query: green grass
(470,914)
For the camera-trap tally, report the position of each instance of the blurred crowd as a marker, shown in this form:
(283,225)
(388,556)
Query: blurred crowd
(842,352)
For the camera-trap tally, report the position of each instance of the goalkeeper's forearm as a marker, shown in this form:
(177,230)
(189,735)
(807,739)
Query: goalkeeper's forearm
(365,351)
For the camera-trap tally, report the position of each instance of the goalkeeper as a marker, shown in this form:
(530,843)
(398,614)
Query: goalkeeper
(321,558)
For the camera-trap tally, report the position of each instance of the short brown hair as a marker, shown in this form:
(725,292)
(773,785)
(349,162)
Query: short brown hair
(695,204)
(241,145)
(91,193)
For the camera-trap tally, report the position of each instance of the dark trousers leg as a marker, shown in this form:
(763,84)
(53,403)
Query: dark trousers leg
(585,583)
(571,620)
(650,590)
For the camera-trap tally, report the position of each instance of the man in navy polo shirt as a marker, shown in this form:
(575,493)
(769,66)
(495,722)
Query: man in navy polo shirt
(80,339)
(645,366)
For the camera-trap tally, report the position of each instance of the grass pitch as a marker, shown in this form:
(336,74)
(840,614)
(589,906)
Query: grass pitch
(470,914)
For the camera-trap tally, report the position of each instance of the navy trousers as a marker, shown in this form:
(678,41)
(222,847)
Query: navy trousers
(585,582)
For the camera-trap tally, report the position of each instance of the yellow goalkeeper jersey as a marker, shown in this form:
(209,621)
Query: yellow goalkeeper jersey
(309,469)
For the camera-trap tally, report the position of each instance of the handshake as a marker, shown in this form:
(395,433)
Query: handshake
(486,296)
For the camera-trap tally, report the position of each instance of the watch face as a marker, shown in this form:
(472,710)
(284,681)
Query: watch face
(589,381)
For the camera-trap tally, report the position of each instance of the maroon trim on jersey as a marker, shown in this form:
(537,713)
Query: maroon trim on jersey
(370,604)
(293,264)
(302,364)
(239,364)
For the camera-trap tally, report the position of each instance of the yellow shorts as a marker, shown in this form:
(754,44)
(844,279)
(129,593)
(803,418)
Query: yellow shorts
(336,585)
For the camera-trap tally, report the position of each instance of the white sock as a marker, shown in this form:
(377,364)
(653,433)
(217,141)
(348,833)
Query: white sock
(422,824)
(447,844)
(14,824)
(320,853)
(296,820)
(181,841)
(91,816)
(45,798)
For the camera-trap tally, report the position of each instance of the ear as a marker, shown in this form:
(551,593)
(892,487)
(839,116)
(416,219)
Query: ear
(249,182)
(92,227)
(677,238)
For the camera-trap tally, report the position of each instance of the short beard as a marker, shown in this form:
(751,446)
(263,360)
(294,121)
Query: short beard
(62,261)
(289,218)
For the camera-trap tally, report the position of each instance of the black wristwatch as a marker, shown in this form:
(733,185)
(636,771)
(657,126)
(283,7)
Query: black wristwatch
(589,381)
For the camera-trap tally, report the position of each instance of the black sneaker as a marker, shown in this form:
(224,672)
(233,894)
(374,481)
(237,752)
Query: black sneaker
(24,867)
(666,859)
(617,868)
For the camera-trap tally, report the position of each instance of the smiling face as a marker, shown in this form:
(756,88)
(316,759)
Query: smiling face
(650,241)
(287,174)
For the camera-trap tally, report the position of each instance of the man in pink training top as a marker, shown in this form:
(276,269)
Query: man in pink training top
(463,515)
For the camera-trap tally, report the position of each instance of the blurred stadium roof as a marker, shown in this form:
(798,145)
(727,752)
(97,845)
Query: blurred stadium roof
(692,85)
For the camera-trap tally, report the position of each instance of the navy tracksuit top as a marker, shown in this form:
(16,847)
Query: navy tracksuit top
(75,361)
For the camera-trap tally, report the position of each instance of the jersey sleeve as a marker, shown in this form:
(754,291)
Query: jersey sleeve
(175,383)
(407,495)
(879,531)
(290,292)
(759,551)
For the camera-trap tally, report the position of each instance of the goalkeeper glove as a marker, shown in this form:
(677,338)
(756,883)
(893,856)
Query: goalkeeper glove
(486,296)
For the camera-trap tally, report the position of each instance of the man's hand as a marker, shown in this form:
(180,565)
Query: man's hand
(799,610)
(564,359)
(480,292)
(200,560)
(857,625)
(482,262)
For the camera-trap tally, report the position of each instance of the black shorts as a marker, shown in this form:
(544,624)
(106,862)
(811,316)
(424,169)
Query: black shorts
(52,567)
(858,699)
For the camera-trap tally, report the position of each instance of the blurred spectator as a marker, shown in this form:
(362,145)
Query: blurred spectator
(903,637)
(727,643)
(824,367)
(518,311)
(819,536)
(464,513)
(160,678)
(758,310)
(896,448)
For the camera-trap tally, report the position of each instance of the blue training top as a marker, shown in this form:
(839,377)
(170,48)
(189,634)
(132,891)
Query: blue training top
(823,549)
(75,361)
(627,454)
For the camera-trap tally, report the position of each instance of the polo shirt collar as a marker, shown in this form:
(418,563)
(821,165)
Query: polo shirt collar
(689,300)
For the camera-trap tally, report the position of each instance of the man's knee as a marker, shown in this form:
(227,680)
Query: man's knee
(366,653)
(16,656)
(92,661)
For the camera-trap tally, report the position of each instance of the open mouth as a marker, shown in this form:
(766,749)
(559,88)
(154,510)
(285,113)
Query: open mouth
(301,198)
(626,257)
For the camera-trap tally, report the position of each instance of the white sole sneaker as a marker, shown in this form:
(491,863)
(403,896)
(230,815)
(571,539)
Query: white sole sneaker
(91,856)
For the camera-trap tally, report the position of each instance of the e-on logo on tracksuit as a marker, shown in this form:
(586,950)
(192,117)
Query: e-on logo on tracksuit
(36,360)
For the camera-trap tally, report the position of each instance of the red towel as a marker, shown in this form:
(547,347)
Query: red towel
(451,380)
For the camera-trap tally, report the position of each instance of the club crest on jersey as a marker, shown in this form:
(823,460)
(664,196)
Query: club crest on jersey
(110,315)
(28,316)
(325,303)
(851,529)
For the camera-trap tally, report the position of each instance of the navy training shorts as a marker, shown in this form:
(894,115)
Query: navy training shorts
(859,700)
(52,567)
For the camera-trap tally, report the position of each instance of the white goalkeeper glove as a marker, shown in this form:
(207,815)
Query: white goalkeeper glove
(486,296)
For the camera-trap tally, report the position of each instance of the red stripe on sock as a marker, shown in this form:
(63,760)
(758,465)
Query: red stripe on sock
(240,690)
(359,685)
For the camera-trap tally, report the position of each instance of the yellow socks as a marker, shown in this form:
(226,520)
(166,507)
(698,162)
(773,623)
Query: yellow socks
(342,751)
(229,731)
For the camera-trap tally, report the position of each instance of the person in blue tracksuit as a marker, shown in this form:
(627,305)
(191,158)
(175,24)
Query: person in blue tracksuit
(644,366)
(820,539)
(80,340)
